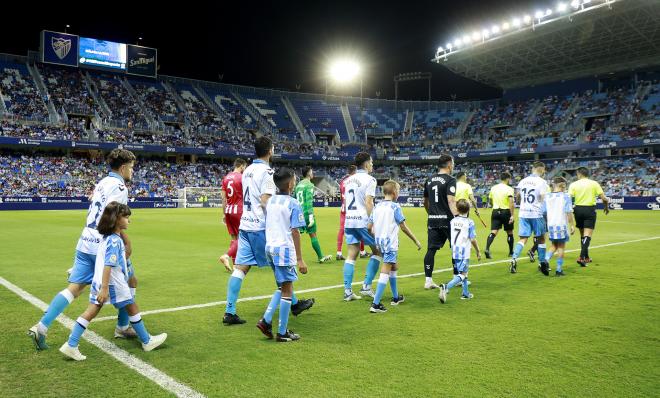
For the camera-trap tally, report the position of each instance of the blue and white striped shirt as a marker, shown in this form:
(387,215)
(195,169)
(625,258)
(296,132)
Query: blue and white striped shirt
(282,214)
(462,233)
(386,217)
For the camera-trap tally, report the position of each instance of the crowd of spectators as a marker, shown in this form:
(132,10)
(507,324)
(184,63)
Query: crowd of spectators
(22,99)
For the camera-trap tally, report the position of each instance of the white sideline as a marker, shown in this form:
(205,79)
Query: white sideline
(318,289)
(166,382)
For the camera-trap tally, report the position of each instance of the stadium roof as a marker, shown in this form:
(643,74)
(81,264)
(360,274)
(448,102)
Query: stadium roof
(615,36)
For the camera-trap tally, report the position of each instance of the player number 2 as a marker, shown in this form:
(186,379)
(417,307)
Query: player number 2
(351,206)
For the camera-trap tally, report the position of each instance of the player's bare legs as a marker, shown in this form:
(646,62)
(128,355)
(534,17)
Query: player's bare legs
(230,254)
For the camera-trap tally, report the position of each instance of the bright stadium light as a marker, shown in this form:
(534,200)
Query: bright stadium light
(467,39)
(561,7)
(344,70)
(548,12)
(538,14)
(485,33)
(449,46)
(505,26)
(516,22)
(458,42)
(476,36)
(495,30)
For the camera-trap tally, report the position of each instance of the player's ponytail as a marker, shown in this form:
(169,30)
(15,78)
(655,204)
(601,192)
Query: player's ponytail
(108,222)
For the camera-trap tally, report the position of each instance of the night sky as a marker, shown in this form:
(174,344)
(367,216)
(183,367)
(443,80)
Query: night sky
(282,44)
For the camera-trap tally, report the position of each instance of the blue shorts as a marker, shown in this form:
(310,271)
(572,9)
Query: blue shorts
(251,248)
(461,265)
(83,268)
(390,257)
(527,226)
(284,273)
(356,235)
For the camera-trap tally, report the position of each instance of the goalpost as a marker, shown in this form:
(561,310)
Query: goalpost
(190,197)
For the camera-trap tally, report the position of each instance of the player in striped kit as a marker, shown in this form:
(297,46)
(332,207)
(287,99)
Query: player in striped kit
(111,188)
(232,206)
(463,235)
(352,169)
(559,211)
(387,218)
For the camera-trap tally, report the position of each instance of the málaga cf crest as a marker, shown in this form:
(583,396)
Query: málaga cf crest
(61,46)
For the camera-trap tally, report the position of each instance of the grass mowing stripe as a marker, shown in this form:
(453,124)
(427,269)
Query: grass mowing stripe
(318,289)
(144,369)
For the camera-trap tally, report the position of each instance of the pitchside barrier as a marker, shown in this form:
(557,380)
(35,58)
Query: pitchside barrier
(72,203)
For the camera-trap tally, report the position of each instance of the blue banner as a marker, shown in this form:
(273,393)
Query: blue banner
(59,48)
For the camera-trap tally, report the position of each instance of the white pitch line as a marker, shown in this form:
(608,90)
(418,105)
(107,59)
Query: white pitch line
(144,369)
(318,289)
(626,222)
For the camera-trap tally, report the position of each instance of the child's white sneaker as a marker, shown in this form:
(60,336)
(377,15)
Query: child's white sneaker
(72,352)
(154,341)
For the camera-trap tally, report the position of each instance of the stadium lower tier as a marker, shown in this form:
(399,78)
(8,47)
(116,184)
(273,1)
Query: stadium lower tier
(24,174)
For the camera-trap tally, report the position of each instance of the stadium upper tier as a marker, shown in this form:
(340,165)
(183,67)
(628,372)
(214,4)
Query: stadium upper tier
(87,105)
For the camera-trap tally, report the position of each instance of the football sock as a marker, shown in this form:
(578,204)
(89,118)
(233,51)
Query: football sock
(489,241)
(140,329)
(372,268)
(349,270)
(285,308)
(380,289)
(59,303)
(122,319)
(535,246)
(78,329)
(518,249)
(455,281)
(233,288)
(393,285)
(584,253)
(509,240)
(429,263)
(272,306)
(560,264)
(465,287)
(317,247)
(541,249)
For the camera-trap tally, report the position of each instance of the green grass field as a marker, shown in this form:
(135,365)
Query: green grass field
(594,332)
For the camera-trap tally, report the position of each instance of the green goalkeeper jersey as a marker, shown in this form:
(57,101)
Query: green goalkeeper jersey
(305,194)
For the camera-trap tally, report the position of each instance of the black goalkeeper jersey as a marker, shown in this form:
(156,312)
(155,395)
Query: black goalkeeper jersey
(436,189)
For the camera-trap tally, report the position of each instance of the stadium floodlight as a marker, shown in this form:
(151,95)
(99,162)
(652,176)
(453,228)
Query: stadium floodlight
(527,19)
(476,36)
(548,12)
(538,14)
(344,70)
(449,46)
(575,4)
(467,39)
(505,26)
(485,33)
(561,7)
(495,29)
(458,42)
(516,22)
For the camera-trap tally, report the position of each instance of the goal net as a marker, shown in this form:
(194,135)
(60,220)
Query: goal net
(190,197)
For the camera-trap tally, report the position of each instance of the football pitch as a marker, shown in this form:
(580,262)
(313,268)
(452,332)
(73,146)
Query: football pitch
(594,332)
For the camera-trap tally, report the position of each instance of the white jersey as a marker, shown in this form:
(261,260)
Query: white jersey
(109,189)
(462,233)
(532,191)
(257,181)
(556,206)
(282,213)
(112,253)
(356,189)
(386,218)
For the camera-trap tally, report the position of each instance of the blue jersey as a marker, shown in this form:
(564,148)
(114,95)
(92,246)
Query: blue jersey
(112,253)
(462,233)
(282,214)
(386,218)
(557,206)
